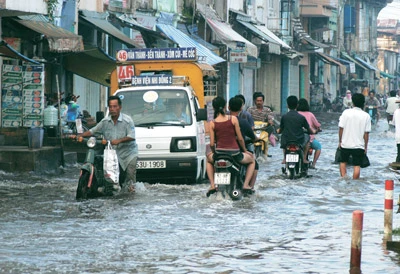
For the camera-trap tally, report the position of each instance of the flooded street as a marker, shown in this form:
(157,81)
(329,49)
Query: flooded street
(288,226)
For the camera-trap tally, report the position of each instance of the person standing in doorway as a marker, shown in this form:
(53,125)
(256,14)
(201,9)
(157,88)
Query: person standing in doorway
(354,128)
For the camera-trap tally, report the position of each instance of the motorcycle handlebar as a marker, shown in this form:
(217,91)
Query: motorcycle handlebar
(81,139)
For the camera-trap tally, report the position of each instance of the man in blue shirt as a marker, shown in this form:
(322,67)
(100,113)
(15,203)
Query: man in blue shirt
(119,129)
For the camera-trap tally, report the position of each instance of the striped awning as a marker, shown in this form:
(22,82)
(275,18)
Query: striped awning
(273,46)
(204,54)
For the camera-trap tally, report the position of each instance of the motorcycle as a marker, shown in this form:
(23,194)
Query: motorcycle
(337,104)
(261,145)
(229,176)
(372,113)
(91,182)
(294,161)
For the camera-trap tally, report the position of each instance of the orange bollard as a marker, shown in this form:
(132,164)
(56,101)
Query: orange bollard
(388,218)
(356,237)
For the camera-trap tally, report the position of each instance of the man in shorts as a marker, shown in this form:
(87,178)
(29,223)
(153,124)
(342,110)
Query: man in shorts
(354,128)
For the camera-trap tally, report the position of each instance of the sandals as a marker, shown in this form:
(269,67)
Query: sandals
(211,191)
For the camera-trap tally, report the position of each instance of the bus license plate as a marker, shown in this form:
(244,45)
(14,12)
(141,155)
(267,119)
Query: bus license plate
(292,158)
(222,178)
(151,164)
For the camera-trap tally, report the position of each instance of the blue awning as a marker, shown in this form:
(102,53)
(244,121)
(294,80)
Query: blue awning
(365,63)
(204,54)
(7,51)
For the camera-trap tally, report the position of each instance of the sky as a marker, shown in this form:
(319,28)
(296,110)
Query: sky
(391,11)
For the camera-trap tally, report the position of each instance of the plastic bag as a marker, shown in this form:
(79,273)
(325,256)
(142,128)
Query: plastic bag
(365,162)
(110,165)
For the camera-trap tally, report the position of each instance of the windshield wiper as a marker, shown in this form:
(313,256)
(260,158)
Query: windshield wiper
(151,124)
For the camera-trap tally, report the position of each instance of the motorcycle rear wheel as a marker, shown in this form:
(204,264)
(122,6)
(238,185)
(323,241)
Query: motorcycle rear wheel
(257,151)
(82,189)
(291,173)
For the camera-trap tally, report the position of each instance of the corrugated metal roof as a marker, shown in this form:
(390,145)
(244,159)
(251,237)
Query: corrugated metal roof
(60,40)
(185,41)
(230,37)
(108,28)
(273,46)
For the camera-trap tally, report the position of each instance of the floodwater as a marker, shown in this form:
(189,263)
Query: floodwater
(298,226)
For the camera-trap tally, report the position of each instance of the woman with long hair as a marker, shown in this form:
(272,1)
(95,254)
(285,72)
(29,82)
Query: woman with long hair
(225,136)
(303,108)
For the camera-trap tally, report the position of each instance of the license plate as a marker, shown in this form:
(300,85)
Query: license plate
(292,158)
(222,178)
(151,164)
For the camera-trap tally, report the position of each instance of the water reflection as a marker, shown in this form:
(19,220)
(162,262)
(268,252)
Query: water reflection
(300,226)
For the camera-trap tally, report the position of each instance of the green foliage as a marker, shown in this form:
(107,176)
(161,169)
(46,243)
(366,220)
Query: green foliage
(51,6)
(396,231)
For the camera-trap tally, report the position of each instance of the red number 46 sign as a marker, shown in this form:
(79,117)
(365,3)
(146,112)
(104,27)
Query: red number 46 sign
(125,72)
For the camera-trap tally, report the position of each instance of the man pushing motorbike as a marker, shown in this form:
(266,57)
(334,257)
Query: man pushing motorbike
(119,129)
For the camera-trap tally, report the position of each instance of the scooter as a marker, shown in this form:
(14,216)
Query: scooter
(91,182)
(229,176)
(261,145)
(372,113)
(294,161)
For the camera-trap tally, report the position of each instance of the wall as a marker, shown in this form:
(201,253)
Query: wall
(92,5)
(31,6)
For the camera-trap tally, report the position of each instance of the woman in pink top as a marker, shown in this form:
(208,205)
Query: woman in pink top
(304,109)
(225,135)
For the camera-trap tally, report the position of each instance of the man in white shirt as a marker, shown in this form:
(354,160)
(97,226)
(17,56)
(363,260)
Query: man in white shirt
(396,122)
(391,105)
(354,128)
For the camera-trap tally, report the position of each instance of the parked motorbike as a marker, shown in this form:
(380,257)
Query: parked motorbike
(229,176)
(294,161)
(91,182)
(261,145)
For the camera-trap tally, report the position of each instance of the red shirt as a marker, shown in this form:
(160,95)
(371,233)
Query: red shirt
(225,135)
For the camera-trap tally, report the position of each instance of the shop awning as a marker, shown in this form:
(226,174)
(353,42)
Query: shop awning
(270,34)
(369,66)
(190,31)
(326,58)
(150,37)
(7,51)
(302,35)
(60,40)
(231,38)
(93,64)
(203,53)
(348,57)
(273,46)
(224,31)
(292,54)
(387,75)
(99,21)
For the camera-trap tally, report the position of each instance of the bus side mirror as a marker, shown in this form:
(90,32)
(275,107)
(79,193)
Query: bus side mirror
(201,114)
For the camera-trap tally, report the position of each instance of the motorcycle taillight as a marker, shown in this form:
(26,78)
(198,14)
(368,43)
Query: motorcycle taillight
(292,148)
(222,163)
